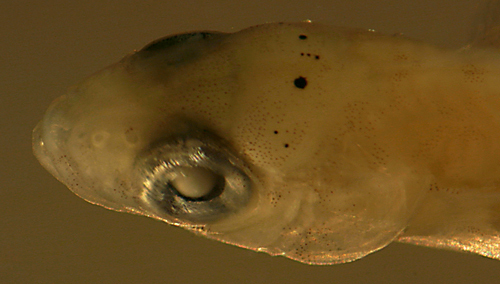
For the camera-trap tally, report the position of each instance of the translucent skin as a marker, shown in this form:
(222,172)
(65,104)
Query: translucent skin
(353,139)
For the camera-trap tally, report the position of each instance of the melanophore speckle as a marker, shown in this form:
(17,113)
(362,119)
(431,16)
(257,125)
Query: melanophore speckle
(300,82)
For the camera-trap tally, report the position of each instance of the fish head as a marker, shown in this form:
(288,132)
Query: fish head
(244,138)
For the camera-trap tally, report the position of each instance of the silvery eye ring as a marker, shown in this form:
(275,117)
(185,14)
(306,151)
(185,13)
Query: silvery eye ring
(171,173)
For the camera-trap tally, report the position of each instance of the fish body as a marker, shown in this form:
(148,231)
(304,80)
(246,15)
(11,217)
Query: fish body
(317,143)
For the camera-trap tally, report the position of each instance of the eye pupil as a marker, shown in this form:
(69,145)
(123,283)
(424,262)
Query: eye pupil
(195,183)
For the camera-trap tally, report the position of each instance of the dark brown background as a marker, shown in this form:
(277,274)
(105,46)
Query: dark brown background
(48,235)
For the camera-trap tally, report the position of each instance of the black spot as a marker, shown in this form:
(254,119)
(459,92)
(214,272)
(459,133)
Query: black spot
(300,82)
(275,131)
(317,56)
(286,145)
(302,36)
(302,54)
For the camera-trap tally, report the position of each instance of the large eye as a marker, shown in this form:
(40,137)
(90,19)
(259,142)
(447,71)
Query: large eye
(193,180)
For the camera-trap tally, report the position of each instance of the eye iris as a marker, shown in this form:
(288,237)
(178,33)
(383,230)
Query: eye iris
(194,182)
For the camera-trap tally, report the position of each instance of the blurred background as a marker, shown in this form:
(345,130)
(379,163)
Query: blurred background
(49,235)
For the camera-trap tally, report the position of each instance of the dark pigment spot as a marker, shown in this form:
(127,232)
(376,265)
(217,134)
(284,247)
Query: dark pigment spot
(286,145)
(302,36)
(309,55)
(275,131)
(300,82)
